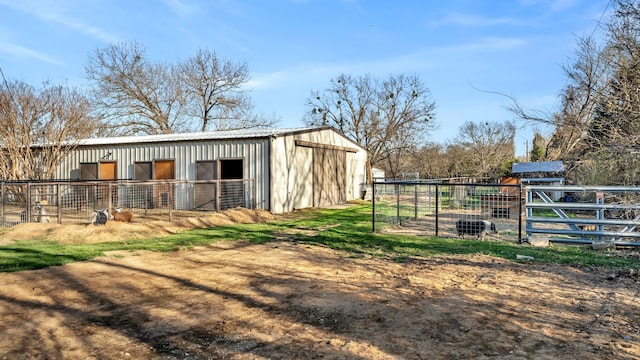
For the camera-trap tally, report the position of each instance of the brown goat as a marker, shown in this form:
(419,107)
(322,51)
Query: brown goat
(122,215)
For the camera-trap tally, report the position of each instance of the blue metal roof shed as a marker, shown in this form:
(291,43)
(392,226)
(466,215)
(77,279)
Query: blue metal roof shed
(538,167)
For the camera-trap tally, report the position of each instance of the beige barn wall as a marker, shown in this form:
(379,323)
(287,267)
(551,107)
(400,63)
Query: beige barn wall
(291,173)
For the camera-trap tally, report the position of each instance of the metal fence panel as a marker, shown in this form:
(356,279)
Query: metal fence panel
(428,208)
(75,202)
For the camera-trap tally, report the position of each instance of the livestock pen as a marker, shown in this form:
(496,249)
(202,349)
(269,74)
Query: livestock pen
(429,208)
(74,202)
(600,216)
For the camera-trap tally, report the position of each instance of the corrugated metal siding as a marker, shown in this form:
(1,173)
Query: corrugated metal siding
(255,153)
(292,186)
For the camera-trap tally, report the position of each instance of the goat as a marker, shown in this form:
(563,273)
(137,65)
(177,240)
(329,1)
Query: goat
(122,215)
(477,228)
(100,217)
(42,216)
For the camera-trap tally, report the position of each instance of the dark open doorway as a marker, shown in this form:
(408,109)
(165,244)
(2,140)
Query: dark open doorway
(232,193)
(231,169)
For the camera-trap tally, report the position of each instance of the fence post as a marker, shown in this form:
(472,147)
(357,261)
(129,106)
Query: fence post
(520,212)
(373,207)
(218,189)
(437,207)
(172,189)
(600,211)
(109,201)
(254,191)
(59,203)
(397,204)
(528,211)
(28,201)
(415,201)
(2,189)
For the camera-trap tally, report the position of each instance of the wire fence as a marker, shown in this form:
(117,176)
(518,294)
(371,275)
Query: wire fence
(76,202)
(449,209)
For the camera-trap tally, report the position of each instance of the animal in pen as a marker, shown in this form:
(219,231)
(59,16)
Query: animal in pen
(42,216)
(100,217)
(122,215)
(478,228)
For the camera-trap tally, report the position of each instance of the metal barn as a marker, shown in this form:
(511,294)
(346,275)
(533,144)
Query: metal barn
(290,168)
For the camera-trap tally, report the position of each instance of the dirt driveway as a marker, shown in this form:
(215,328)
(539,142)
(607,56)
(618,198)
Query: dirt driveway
(285,300)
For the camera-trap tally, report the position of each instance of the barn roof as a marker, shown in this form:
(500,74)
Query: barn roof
(538,167)
(209,135)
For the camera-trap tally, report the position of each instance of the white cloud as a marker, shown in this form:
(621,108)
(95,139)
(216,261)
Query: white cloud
(181,8)
(490,43)
(83,27)
(21,51)
(50,12)
(556,5)
(475,20)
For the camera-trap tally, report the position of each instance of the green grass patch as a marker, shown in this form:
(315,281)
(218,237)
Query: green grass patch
(346,230)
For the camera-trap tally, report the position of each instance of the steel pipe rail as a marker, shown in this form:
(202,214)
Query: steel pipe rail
(581,206)
(583,221)
(583,232)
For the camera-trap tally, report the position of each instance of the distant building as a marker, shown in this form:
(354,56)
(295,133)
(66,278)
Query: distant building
(377,174)
(541,173)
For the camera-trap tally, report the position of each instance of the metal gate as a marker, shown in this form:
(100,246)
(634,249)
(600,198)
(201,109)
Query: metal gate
(583,214)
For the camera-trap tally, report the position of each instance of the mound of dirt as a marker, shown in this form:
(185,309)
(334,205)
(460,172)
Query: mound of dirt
(118,231)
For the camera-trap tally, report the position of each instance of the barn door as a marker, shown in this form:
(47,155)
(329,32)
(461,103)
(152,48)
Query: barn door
(329,179)
(205,194)
(163,170)
(107,172)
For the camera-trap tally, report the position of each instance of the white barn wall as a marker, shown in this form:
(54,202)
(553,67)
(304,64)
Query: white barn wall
(292,169)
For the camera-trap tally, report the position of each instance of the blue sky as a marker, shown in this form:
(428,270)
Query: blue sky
(516,47)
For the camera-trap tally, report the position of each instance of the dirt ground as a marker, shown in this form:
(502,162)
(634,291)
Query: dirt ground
(287,300)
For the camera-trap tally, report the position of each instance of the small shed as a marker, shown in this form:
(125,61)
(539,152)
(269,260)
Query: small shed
(292,168)
(377,174)
(541,173)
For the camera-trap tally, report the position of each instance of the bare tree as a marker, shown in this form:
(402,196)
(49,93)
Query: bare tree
(586,80)
(215,92)
(136,96)
(458,162)
(431,161)
(488,145)
(204,92)
(614,132)
(39,127)
(389,118)
(596,128)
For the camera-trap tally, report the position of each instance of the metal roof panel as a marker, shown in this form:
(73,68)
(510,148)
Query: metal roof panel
(538,166)
(209,135)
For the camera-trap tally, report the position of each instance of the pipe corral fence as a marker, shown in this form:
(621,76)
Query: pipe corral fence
(75,202)
(598,215)
(589,215)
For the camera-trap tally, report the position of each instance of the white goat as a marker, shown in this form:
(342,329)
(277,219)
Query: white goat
(42,216)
